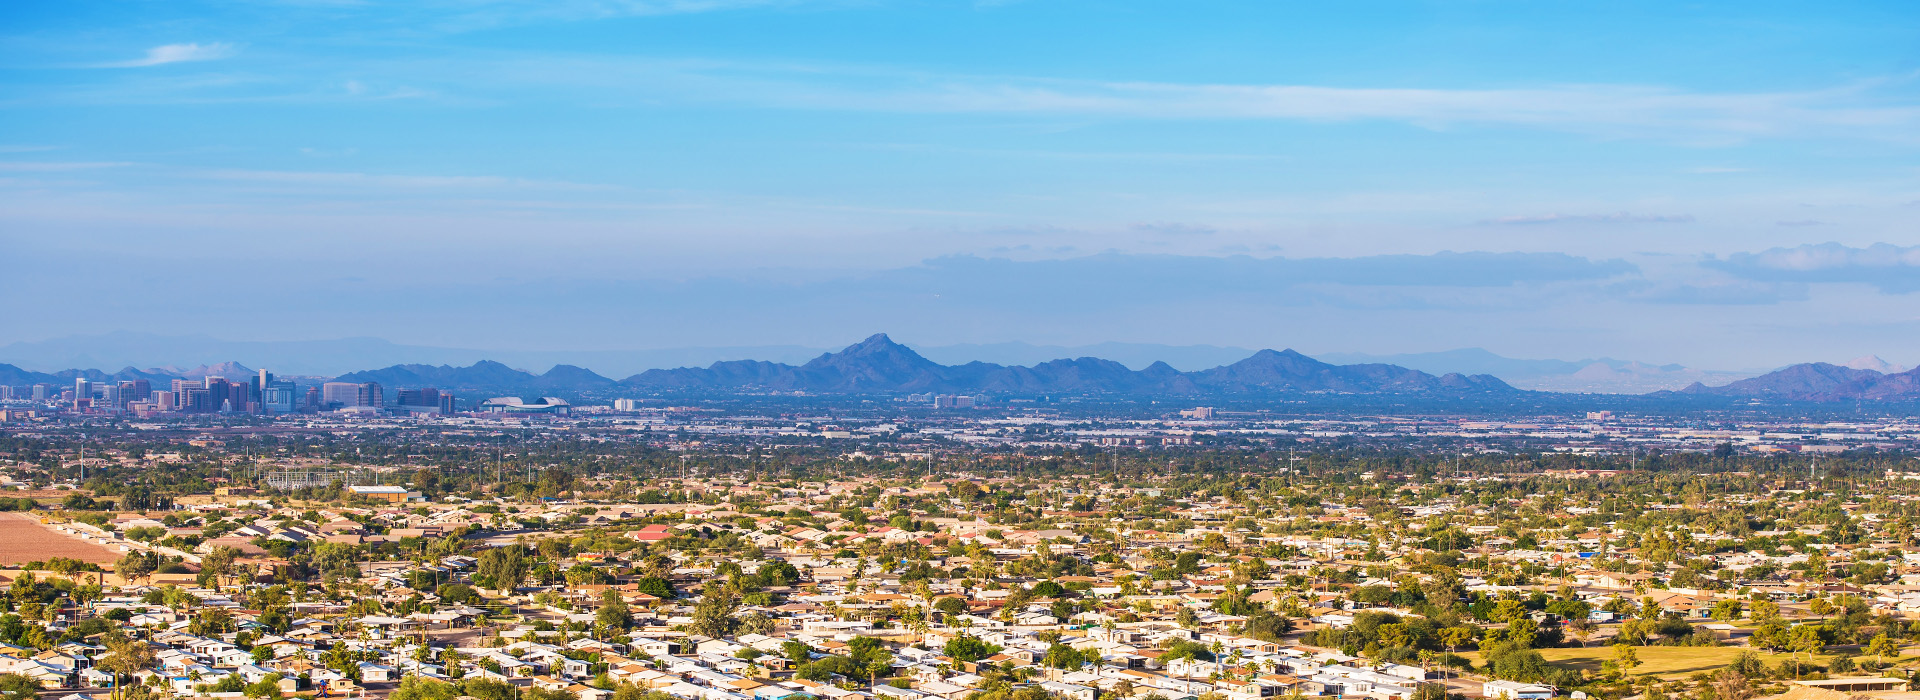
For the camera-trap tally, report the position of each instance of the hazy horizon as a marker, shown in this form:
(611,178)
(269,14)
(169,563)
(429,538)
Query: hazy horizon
(1718,186)
(323,357)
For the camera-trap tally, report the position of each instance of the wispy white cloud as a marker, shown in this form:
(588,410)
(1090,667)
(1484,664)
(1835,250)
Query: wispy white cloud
(1861,110)
(177,53)
(1855,110)
(1619,218)
(1172,156)
(1829,256)
(56,167)
(1170,228)
(486,14)
(1891,268)
(357,179)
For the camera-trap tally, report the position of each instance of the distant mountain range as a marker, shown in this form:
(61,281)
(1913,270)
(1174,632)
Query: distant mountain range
(1820,382)
(880,365)
(485,374)
(338,356)
(341,356)
(1593,376)
(14,376)
(158,376)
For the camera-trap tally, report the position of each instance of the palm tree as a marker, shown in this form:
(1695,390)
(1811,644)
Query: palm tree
(126,657)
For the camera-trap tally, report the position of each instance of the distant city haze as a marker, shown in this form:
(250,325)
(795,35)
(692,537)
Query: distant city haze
(190,356)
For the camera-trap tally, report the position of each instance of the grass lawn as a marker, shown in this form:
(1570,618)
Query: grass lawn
(1666,662)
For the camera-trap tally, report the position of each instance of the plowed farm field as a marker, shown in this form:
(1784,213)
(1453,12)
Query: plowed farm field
(24,539)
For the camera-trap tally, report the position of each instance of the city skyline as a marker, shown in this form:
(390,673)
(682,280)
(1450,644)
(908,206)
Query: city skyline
(1719,186)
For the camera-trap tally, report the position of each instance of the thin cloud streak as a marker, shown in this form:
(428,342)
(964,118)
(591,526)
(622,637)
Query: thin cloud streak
(1620,218)
(47,167)
(1854,110)
(490,15)
(1859,110)
(177,53)
(356,179)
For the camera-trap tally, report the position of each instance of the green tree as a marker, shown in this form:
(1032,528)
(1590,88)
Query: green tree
(1625,659)
(713,617)
(1771,636)
(614,615)
(969,648)
(136,565)
(268,687)
(14,686)
(1883,646)
(503,568)
(1805,639)
(126,657)
(1063,657)
(655,586)
(456,593)
(218,564)
(1820,606)
(422,688)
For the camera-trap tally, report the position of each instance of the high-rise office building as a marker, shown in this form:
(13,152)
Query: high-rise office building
(135,390)
(165,400)
(280,396)
(196,400)
(427,399)
(339,394)
(40,391)
(6,393)
(258,388)
(418,397)
(371,394)
(219,394)
(82,391)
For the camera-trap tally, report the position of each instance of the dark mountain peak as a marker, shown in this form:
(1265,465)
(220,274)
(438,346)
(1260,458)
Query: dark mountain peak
(1479,382)
(1816,381)
(562,375)
(1291,371)
(1288,355)
(232,371)
(876,351)
(1279,360)
(877,345)
(1160,372)
(877,340)
(876,363)
(483,374)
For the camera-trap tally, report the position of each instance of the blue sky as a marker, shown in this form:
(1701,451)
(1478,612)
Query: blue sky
(1720,184)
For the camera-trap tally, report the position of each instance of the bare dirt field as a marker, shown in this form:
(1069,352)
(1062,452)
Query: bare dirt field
(24,539)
